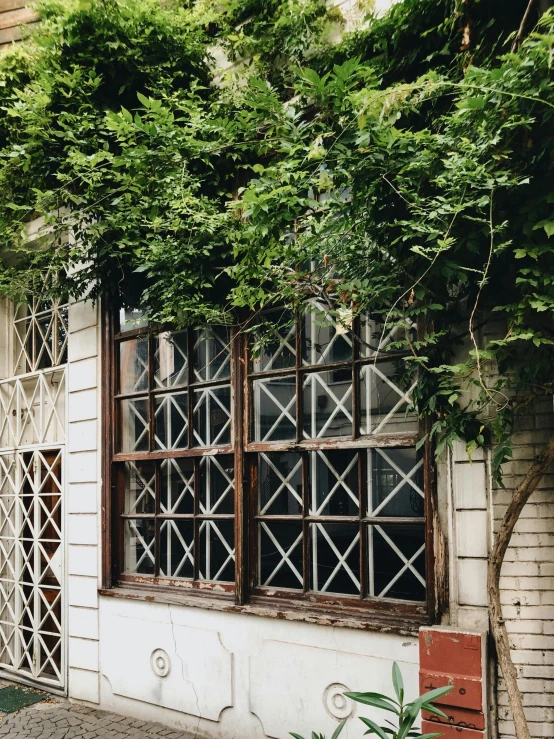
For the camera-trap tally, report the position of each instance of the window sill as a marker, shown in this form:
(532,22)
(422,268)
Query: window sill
(393,623)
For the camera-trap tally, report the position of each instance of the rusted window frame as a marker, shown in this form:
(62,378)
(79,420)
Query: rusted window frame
(245,594)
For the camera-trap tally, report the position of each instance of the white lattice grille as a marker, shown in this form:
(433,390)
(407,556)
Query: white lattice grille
(31,614)
(40,336)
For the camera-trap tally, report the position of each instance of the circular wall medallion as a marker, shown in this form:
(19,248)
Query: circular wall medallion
(160,663)
(337,705)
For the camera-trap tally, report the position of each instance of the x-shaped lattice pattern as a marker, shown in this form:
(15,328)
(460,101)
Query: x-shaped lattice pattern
(213,469)
(210,530)
(179,484)
(404,398)
(284,412)
(340,413)
(147,548)
(341,564)
(285,555)
(168,355)
(209,403)
(171,528)
(407,566)
(213,353)
(286,337)
(171,413)
(145,483)
(40,337)
(319,321)
(285,483)
(137,424)
(31,564)
(374,340)
(340,482)
(405,478)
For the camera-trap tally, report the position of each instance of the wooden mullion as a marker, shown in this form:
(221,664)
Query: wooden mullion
(190,393)
(157,495)
(305,522)
(151,404)
(196,529)
(252,543)
(362,498)
(298,381)
(241,483)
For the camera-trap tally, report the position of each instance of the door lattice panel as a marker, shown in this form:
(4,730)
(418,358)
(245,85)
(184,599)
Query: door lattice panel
(31,613)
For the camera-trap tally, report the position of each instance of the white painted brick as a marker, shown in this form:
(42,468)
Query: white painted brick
(471,533)
(537,671)
(520,598)
(83,528)
(83,344)
(520,568)
(531,641)
(83,375)
(82,436)
(82,406)
(472,582)
(83,560)
(84,686)
(82,314)
(83,467)
(83,591)
(528,554)
(82,498)
(83,622)
(523,626)
(470,489)
(83,653)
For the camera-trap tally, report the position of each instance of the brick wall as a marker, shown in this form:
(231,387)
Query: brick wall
(527,583)
(13,13)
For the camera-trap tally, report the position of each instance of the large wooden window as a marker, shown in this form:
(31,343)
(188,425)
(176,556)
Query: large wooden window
(286,473)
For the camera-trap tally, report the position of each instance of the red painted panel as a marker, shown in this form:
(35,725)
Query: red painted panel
(455,653)
(451,732)
(457,717)
(467,692)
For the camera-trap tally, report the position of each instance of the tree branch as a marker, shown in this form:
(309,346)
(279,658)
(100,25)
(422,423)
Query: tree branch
(523,25)
(498,626)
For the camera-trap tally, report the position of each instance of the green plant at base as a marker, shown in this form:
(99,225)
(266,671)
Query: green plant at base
(407,713)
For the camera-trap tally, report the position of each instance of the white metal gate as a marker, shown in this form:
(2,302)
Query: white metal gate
(32,468)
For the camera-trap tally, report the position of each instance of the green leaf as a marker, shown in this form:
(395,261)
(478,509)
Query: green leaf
(433,709)
(397,682)
(296,736)
(374,728)
(339,729)
(373,699)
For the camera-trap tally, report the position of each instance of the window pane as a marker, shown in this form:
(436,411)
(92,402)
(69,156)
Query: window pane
(212,353)
(335,552)
(140,482)
(325,340)
(134,417)
(170,412)
(217,484)
(133,365)
(170,359)
(177,486)
(395,483)
(384,403)
(277,343)
(280,547)
(44,341)
(177,548)
(212,416)
(280,484)
(139,546)
(334,483)
(131,319)
(275,409)
(328,403)
(375,336)
(397,562)
(217,551)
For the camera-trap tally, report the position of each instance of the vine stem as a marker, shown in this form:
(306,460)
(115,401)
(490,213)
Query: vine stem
(522,26)
(498,626)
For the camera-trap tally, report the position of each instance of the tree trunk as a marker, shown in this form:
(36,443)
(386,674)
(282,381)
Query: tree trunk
(498,627)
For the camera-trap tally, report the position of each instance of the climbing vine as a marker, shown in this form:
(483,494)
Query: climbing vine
(206,158)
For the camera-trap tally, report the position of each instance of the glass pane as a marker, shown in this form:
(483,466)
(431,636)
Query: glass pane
(217,551)
(170,359)
(397,562)
(131,319)
(177,486)
(280,547)
(139,542)
(170,411)
(60,338)
(335,550)
(280,484)
(44,341)
(375,336)
(384,402)
(326,339)
(275,343)
(133,365)
(212,353)
(140,487)
(275,409)
(395,483)
(328,403)
(212,416)
(134,425)
(217,484)
(177,548)
(334,483)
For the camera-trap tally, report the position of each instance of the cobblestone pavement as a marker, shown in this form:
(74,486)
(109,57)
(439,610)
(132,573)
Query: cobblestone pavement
(60,719)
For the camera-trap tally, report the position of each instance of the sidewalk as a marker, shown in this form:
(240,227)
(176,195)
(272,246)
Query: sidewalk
(57,718)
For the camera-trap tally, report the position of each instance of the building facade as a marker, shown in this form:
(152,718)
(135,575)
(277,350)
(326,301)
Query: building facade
(227,541)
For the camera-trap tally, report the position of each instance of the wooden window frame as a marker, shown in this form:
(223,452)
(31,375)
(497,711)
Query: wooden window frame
(245,596)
